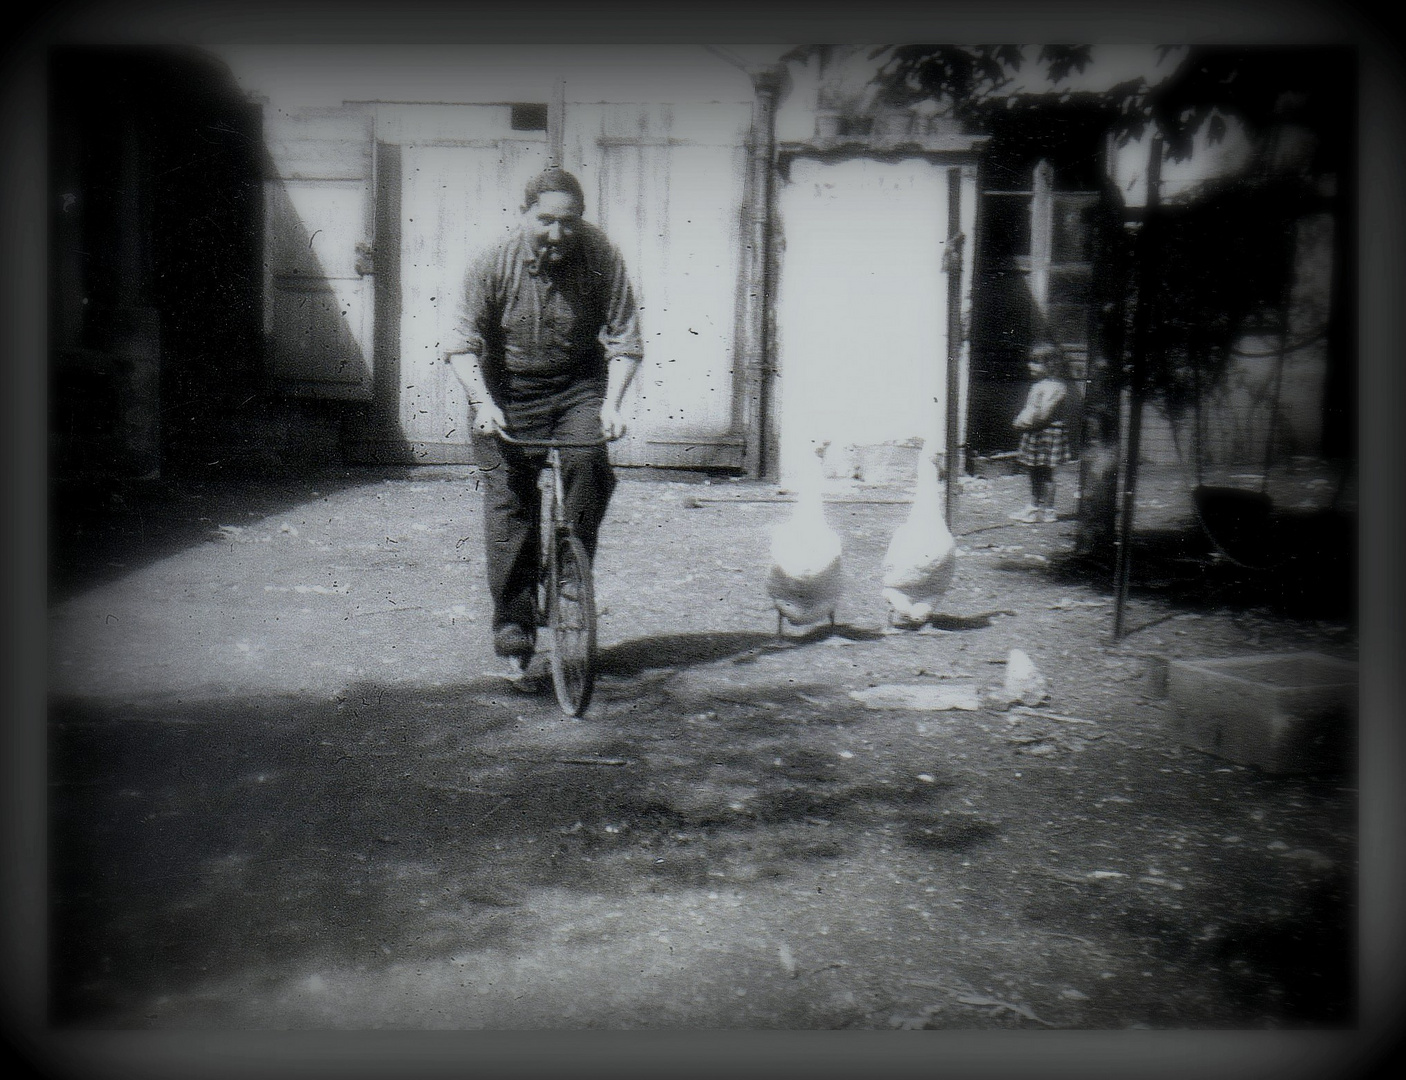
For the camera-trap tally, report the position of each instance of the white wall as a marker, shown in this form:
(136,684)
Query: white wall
(656,133)
(299,75)
(862,304)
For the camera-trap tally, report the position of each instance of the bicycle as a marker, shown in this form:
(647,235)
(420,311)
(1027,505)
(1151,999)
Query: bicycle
(566,595)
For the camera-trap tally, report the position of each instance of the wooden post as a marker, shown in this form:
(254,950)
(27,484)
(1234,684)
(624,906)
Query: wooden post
(1041,238)
(1100,452)
(556,121)
(133,225)
(1142,328)
(952,266)
(756,353)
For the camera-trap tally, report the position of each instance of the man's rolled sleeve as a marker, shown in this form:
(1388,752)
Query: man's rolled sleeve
(470,331)
(621,333)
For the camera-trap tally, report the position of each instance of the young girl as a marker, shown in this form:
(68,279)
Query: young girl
(1041,424)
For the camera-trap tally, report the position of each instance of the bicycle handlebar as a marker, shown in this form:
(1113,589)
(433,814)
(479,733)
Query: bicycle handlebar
(548,444)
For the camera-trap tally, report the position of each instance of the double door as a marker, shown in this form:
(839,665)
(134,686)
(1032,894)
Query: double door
(368,249)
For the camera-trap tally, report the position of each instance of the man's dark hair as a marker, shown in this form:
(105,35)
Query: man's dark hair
(553,179)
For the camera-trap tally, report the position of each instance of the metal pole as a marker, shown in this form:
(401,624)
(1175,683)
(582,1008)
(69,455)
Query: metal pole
(1141,336)
(952,266)
(1284,304)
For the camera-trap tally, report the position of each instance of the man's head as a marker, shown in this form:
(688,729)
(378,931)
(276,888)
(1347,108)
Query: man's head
(552,204)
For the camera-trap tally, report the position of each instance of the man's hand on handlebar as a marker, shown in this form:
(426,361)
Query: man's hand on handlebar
(489,419)
(612,423)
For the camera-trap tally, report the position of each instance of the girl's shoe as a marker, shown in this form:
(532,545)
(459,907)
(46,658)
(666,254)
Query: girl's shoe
(1048,514)
(1029,514)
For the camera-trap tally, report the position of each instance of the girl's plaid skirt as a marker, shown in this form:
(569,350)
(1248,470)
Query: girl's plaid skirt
(1048,447)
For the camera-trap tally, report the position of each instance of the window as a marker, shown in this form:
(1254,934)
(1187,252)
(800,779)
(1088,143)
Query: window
(529,116)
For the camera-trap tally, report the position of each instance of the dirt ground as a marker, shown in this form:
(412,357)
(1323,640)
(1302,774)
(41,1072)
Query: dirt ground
(289,789)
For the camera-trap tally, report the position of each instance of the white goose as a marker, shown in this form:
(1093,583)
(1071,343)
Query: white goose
(805,579)
(922,556)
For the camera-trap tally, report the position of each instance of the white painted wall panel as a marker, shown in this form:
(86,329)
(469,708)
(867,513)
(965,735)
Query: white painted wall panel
(666,184)
(318,304)
(861,304)
(455,202)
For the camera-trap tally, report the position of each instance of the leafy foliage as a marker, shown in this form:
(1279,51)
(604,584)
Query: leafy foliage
(1224,261)
(1224,266)
(1263,88)
(962,79)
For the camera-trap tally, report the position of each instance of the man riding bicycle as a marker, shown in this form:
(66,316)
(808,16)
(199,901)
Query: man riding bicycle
(548,341)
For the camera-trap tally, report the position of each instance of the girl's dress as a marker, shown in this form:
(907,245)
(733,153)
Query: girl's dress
(1042,438)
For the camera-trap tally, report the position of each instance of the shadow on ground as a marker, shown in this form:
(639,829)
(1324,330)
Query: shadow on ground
(195,840)
(1299,566)
(241,843)
(638,655)
(677,650)
(105,529)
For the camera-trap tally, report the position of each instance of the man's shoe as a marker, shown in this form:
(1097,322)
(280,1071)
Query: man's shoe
(512,640)
(527,675)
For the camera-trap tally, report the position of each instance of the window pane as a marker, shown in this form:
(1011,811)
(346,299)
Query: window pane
(1005,226)
(1071,228)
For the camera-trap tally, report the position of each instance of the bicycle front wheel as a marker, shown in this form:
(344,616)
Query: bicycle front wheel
(571,609)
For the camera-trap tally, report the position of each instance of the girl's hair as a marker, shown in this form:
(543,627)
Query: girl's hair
(1051,355)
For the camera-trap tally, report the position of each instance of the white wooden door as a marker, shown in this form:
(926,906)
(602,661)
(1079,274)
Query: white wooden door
(665,182)
(456,200)
(861,305)
(319,288)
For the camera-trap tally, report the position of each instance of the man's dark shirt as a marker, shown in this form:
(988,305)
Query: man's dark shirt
(544,334)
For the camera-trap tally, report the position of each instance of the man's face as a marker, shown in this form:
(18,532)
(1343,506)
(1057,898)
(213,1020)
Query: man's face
(552,224)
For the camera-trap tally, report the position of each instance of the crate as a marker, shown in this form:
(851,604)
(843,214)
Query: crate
(1282,713)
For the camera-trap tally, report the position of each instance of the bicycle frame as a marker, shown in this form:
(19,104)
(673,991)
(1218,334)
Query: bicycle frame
(573,677)
(557,518)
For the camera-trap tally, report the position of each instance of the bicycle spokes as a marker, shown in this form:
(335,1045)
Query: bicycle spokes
(573,624)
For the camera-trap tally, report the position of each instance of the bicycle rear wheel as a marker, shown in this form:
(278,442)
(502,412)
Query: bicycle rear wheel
(571,608)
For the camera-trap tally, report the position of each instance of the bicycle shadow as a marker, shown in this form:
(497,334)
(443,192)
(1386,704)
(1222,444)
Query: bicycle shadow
(638,655)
